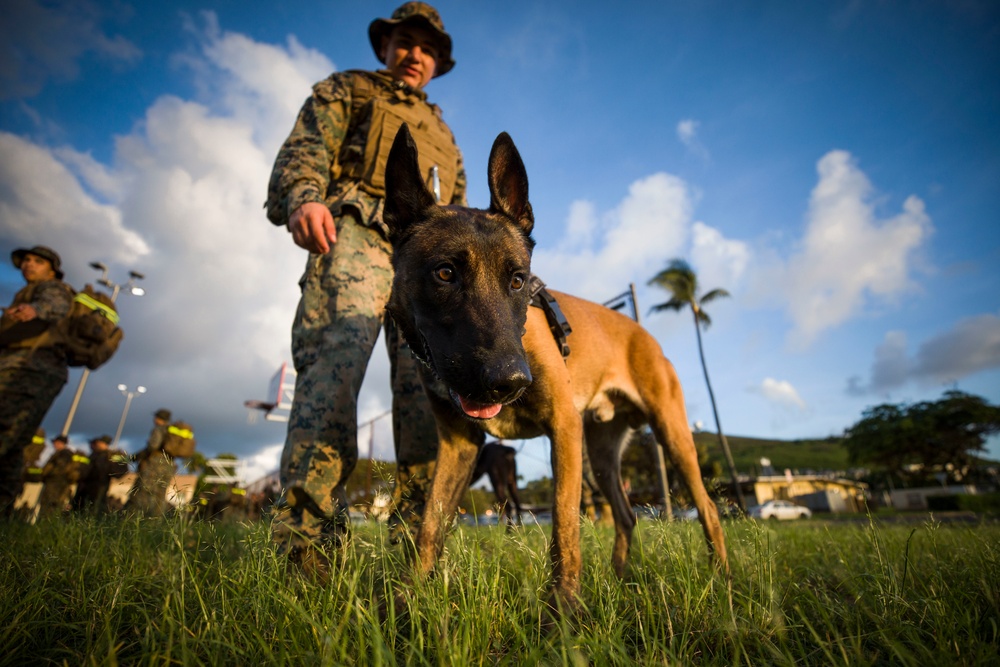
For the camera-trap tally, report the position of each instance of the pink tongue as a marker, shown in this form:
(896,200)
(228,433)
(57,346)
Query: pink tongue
(478,410)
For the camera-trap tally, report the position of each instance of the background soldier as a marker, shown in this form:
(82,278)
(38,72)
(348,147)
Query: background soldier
(92,490)
(63,469)
(327,186)
(156,470)
(32,472)
(33,365)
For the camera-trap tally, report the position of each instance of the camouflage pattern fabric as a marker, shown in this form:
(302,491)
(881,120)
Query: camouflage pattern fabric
(92,491)
(339,316)
(335,330)
(156,470)
(56,474)
(30,380)
(330,134)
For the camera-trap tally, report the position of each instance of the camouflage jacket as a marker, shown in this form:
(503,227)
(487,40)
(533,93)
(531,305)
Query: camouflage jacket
(156,437)
(331,133)
(52,300)
(61,467)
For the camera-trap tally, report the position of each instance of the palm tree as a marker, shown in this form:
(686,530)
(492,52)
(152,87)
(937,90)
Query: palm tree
(681,281)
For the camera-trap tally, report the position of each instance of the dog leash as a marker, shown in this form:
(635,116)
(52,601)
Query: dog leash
(558,324)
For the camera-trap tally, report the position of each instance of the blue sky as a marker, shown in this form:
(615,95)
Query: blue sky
(834,165)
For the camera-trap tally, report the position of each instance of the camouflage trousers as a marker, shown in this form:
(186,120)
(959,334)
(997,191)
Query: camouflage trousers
(149,494)
(342,309)
(54,498)
(25,396)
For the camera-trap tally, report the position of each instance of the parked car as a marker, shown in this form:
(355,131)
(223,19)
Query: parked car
(726,511)
(646,512)
(779,509)
(688,514)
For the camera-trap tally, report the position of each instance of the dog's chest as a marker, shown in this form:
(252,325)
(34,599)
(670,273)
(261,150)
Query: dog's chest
(513,423)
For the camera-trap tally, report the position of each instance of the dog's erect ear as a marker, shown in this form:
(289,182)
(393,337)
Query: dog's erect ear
(406,196)
(509,183)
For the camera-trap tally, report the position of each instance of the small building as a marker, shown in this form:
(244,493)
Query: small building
(820,493)
(916,499)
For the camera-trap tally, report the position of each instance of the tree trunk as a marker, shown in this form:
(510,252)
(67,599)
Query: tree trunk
(718,426)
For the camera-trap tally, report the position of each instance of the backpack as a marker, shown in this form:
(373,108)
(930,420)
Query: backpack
(77,467)
(90,331)
(117,463)
(179,440)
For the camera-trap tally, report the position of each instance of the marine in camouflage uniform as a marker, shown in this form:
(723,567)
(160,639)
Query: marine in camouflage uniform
(63,469)
(33,366)
(156,470)
(31,473)
(330,174)
(92,490)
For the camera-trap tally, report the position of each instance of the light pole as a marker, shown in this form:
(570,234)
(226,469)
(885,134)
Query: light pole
(115,288)
(129,395)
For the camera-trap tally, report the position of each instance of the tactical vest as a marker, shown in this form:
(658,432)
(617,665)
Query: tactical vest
(89,332)
(386,110)
(33,333)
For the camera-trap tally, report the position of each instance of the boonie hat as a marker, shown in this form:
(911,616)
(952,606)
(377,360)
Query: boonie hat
(44,252)
(163,414)
(102,438)
(420,13)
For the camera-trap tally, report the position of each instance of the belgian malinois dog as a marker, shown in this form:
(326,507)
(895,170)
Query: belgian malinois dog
(490,364)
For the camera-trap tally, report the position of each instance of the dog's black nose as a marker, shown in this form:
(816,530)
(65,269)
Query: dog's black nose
(506,380)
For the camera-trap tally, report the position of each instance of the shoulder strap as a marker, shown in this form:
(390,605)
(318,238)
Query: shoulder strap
(558,324)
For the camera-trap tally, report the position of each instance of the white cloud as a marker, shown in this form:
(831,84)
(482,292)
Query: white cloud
(687,133)
(649,226)
(182,203)
(848,255)
(781,392)
(971,346)
(720,262)
(43,202)
(266,83)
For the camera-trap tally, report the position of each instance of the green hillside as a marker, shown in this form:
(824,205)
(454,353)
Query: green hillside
(825,454)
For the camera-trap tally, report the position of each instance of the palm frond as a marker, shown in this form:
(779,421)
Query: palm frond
(673,304)
(718,293)
(703,319)
(678,279)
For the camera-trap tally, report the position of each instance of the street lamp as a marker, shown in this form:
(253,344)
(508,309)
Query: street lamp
(129,395)
(115,288)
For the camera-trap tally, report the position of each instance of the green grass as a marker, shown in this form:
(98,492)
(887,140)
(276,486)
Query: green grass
(86,591)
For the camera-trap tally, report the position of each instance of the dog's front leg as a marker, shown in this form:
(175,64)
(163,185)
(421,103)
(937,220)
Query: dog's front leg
(567,467)
(455,462)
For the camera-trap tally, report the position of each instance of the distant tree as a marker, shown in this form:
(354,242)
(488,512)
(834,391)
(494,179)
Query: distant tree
(640,470)
(196,463)
(680,280)
(538,492)
(944,434)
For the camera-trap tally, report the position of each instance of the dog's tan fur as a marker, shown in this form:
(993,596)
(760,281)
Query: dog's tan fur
(615,380)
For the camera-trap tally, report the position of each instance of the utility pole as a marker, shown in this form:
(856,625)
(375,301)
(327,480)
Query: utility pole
(617,303)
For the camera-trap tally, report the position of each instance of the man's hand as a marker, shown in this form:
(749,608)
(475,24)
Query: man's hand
(312,227)
(24,312)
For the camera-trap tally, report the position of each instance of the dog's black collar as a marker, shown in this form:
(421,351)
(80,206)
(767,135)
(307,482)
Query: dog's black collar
(558,324)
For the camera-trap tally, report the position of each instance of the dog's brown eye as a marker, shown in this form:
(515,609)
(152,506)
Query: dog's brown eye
(516,283)
(445,274)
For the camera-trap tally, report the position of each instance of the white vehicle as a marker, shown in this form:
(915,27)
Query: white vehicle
(780,510)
